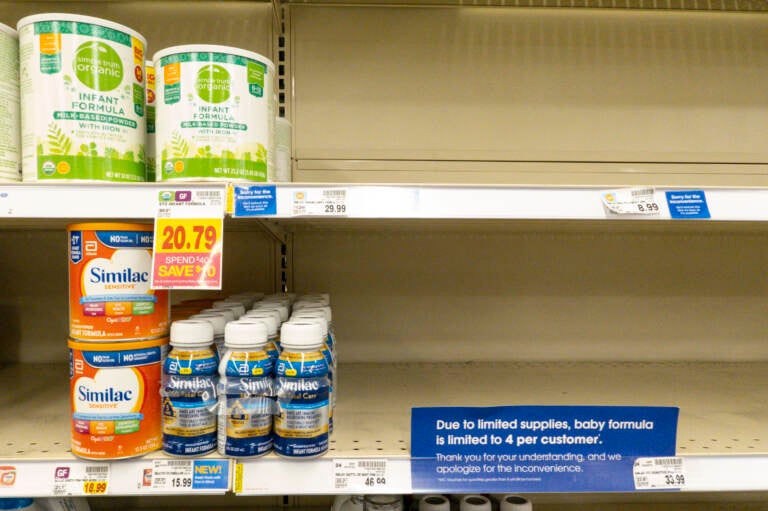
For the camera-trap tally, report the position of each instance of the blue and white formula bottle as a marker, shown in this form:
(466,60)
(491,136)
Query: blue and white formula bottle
(329,358)
(271,324)
(303,386)
(190,374)
(246,391)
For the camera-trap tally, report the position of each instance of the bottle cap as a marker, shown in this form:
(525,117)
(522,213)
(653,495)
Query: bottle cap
(191,333)
(217,320)
(236,307)
(244,334)
(270,318)
(301,335)
(228,314)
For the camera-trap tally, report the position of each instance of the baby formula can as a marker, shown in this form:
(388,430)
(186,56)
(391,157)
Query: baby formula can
(10,152)
(189,390)
(246,403)
(302,385)
(82,99)
(115,398)
(109,279)
(151,160)
(215,113)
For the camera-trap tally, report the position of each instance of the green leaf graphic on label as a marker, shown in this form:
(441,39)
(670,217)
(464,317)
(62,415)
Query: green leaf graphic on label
(213,84)
(98,66)
(179,146)
(57,140)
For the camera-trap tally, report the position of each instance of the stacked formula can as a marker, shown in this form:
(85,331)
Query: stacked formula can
(79,102)
(118,330)
(272,389)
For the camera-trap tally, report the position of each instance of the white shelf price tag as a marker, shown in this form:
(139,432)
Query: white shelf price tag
(170,475)
(78,479)
(633,202)
(360,475)
(659,473)
(319,202)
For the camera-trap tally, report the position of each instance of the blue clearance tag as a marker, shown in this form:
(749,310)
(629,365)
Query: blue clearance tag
(531,449)
(688,204)
(210,475)
(254,200)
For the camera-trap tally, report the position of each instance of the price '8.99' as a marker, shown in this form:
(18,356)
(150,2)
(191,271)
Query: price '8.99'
(187,236)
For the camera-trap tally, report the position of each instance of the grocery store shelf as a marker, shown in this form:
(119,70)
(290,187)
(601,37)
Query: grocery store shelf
(26,204)
(721,433)
(506,202)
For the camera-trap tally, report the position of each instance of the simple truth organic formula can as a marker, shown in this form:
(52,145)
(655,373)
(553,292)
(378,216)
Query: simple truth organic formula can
(215,113)
(109,279)
(149,69)
(82,99)
(10,151)
(115,398)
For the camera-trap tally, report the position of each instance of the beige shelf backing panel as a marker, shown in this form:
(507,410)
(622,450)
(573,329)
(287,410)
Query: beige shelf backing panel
(522,85)
(447,294)
(243,24)
(692,175)
(34,305)
(723,410)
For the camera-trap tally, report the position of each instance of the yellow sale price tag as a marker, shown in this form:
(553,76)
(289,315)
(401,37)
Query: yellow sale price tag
(95,487)
(187,235)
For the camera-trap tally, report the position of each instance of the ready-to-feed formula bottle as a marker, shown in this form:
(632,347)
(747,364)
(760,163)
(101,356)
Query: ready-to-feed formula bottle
(219,323)
(215,113)
(272,324)
(246,391)
(115,397)
(302,385)
(10,144)
(110,298)
(82,99)
(190,375)
(151,103)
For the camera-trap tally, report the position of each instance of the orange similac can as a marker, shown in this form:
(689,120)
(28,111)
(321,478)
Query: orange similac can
(115,398)
(110,298)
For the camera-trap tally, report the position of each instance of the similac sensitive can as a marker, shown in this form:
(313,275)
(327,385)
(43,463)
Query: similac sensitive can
(82,99)
(10,152)
(115,398)
(215,113)
(149,69)
(109,279)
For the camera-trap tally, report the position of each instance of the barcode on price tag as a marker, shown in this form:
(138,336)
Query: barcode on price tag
(659,473)
(360,475)
(320,202)
(628,202)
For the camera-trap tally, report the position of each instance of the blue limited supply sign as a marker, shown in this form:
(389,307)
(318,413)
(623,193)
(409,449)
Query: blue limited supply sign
(536,448)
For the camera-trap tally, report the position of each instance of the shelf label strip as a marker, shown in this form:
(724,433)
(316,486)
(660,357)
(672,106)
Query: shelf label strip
(659,473)
(533,449)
